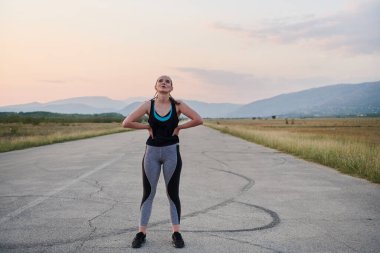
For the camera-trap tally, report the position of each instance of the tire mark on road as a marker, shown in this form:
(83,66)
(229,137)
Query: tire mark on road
(242,241)
(275,218)
(226,169)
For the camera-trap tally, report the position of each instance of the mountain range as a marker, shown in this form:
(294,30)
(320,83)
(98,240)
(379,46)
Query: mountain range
(332,100)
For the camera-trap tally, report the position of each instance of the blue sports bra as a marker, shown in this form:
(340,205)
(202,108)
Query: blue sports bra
(162,118)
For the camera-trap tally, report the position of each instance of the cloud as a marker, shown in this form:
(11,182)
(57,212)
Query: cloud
(244,87)
(222,77)
(230,80)
(228,86)
(355,30)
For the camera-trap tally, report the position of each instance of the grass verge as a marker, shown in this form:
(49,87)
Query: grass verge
(350,148)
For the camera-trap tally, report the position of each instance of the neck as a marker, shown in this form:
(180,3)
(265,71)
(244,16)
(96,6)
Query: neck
(162,98)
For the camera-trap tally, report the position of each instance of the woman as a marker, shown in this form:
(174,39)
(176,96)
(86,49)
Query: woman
(162,148)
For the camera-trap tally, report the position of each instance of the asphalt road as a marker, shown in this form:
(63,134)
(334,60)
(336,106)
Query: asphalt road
(84,196)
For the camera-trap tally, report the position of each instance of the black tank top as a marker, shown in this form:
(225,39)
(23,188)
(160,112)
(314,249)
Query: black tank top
(163,126)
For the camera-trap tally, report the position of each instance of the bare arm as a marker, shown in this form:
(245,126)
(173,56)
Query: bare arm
(193,115)
(130,121)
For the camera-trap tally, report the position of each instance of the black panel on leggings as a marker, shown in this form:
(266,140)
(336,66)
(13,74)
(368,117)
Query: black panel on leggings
(173,185)
(146,184)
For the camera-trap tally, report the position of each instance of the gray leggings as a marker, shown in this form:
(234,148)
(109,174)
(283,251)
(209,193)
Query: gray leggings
(170,158)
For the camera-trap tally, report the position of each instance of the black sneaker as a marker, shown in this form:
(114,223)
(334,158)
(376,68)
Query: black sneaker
(138,240)
(177,240)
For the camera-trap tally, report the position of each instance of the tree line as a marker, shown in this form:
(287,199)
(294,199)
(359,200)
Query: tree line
(39,117)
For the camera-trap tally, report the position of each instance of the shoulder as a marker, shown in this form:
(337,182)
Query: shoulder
(146,105)
(182,106)
(147,102)
(181,102)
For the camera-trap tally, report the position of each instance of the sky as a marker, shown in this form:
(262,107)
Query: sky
(236,51)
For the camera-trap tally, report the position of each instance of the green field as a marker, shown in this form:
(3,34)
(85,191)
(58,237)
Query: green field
(15,136)
(29,129)
(350,145)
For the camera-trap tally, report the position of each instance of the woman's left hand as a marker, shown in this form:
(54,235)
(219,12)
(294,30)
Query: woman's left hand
(176,131)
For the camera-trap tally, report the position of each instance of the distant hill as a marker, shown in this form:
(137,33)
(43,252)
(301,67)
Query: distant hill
(212,110)
(93,105)
(82,105)
(333,100)
(102,102)
(130,108)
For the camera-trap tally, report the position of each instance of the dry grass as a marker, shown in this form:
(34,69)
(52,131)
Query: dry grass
(15,136)
(349,145)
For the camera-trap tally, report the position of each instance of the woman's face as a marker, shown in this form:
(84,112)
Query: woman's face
(164,84)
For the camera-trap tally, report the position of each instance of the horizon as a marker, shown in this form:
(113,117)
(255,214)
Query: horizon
(226,102)
(229,53)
